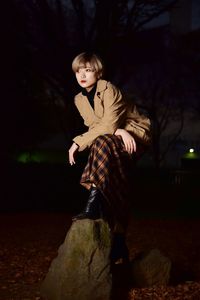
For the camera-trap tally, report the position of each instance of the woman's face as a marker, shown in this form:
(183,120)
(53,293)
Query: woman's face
(86,77)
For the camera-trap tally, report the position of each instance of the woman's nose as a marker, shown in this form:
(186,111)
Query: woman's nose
(82,74)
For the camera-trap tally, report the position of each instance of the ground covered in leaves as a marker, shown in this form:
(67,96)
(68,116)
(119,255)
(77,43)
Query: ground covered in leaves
(29,242)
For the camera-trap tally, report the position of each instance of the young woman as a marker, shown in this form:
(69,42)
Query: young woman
(115,133)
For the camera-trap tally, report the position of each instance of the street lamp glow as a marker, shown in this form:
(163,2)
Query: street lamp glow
(191,150)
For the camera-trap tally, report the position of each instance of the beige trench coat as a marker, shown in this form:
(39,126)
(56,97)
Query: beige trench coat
(111,111)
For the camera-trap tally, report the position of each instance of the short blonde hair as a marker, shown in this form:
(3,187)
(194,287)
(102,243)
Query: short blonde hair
(94,60)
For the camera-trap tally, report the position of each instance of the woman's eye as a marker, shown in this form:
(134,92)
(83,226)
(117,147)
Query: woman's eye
(88,70)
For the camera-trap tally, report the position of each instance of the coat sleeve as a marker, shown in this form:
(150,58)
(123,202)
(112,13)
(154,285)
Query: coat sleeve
(139,126)
(114,110)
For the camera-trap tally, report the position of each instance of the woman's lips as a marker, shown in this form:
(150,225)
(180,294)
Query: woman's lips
(83,81)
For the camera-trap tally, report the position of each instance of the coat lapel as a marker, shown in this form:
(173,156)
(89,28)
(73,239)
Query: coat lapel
(89,114)
(99,99)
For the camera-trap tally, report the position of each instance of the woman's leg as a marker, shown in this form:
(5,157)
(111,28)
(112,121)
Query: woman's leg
(94,207)
(106,171)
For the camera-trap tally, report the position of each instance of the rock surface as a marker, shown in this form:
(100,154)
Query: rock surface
(152,268)
(81,269)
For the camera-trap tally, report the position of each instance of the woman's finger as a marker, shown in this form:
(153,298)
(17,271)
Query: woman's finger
(127,147)
(71,159)
(134,146)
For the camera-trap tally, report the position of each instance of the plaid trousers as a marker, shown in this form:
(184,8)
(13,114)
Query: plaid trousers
(107,167)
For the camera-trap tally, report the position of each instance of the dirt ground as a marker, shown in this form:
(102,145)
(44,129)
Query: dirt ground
(29,242)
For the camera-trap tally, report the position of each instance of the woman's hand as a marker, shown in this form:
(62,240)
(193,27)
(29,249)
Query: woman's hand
(74,147)
(129,141)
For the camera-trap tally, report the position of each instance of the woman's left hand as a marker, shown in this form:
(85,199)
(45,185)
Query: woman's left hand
(129,141)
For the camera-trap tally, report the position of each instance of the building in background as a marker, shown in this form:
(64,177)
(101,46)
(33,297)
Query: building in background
(184,18)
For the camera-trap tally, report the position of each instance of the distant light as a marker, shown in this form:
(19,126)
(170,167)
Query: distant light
(191,150)
(41,156)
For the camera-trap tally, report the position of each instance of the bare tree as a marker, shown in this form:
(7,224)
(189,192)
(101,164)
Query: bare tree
(164,110)
(167,89)
(118,18)
(141,12)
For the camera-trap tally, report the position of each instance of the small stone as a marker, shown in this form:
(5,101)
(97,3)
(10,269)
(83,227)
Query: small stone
(152,268)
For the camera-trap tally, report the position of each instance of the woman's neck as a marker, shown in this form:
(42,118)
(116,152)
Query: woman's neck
(90,89)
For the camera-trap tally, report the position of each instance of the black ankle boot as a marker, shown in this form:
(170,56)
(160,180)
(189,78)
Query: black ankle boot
(94,206)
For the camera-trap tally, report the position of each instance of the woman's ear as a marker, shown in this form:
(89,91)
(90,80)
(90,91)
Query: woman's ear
(99,76)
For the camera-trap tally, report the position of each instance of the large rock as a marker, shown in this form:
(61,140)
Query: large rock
(81,271)
(152,268)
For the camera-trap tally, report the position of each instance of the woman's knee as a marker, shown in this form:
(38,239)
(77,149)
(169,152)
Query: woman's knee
(102,139)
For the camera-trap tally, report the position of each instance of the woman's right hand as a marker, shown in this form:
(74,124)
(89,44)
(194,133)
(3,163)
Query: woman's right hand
(74,147)
(129,141)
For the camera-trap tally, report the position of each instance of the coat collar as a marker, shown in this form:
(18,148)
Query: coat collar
(101,85)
